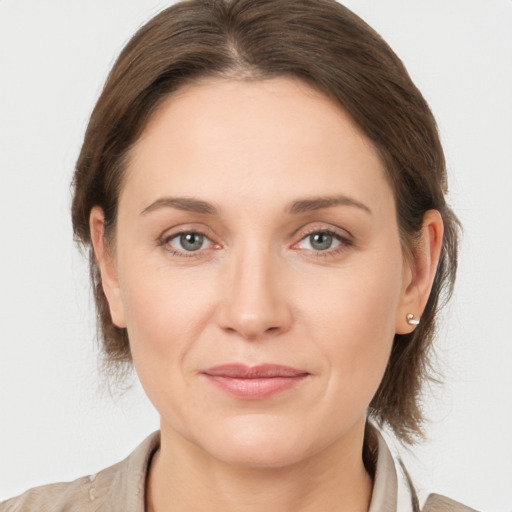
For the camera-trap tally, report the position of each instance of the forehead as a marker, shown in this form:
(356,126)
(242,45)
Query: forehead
(255,139)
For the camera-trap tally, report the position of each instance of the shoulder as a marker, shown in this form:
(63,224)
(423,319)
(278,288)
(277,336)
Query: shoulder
(393,486)
(438,503)
(121,485)
(54,497)
(393,489)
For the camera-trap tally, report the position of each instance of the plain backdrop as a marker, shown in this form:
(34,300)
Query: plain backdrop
(56,420)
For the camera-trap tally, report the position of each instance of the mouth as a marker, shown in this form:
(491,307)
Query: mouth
(254,382)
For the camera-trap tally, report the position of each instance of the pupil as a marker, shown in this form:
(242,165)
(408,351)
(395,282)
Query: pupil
(321,241)
(191,241)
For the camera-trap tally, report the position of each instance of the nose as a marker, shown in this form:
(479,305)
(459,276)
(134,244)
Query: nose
(254,301)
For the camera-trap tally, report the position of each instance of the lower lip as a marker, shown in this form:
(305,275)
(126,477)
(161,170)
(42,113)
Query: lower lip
(255,389)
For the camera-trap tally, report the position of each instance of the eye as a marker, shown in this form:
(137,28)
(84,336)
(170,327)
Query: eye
(322,241)
(188,241)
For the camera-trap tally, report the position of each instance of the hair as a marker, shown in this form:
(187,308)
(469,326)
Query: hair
(330,48)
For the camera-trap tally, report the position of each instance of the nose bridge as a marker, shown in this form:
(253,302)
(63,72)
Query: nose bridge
(254,303)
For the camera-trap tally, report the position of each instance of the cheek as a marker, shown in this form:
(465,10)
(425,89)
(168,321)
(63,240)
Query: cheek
(166,315)
(165,312)
(353,323)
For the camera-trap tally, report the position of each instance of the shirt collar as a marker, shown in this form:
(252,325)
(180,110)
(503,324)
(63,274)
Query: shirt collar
(391,492)
(127,489)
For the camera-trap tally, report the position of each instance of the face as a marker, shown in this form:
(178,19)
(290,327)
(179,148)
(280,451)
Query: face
(258,269)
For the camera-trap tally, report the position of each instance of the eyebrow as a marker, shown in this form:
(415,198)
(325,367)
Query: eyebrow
(190,204)
(317,203)
(187,204)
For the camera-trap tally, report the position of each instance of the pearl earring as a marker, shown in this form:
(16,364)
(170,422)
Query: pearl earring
(411,320)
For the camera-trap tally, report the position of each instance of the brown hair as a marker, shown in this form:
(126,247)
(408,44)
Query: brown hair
(330,48)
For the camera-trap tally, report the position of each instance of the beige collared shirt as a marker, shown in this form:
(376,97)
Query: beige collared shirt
(121,488)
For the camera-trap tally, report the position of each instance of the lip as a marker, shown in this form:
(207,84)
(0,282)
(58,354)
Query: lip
(254,382)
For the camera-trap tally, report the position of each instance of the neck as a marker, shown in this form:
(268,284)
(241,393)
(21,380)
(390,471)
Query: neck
(183,478)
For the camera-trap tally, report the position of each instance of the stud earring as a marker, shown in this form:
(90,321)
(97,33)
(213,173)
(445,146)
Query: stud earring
(411,320)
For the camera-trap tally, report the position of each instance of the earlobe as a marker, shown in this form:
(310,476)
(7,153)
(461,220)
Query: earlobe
(106,264)
(420,273)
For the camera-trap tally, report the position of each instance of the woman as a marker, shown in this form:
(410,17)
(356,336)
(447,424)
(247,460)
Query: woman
(262,189)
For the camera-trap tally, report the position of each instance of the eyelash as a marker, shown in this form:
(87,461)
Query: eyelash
(164,242)
(345,243)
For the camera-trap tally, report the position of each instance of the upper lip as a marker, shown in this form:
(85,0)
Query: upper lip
(262,371)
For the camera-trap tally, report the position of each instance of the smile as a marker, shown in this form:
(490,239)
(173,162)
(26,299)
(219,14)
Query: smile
(256,382)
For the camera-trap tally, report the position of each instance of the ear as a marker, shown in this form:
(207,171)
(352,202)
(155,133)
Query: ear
(106,263)
(419,271)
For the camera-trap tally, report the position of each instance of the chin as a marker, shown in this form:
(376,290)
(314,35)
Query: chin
(260,455)
(251,443)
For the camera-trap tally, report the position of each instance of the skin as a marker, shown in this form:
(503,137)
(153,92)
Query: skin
(260,289)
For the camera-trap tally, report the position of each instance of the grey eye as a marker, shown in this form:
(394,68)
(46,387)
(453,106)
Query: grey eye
(191,241)
(188,241)
(320,241)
